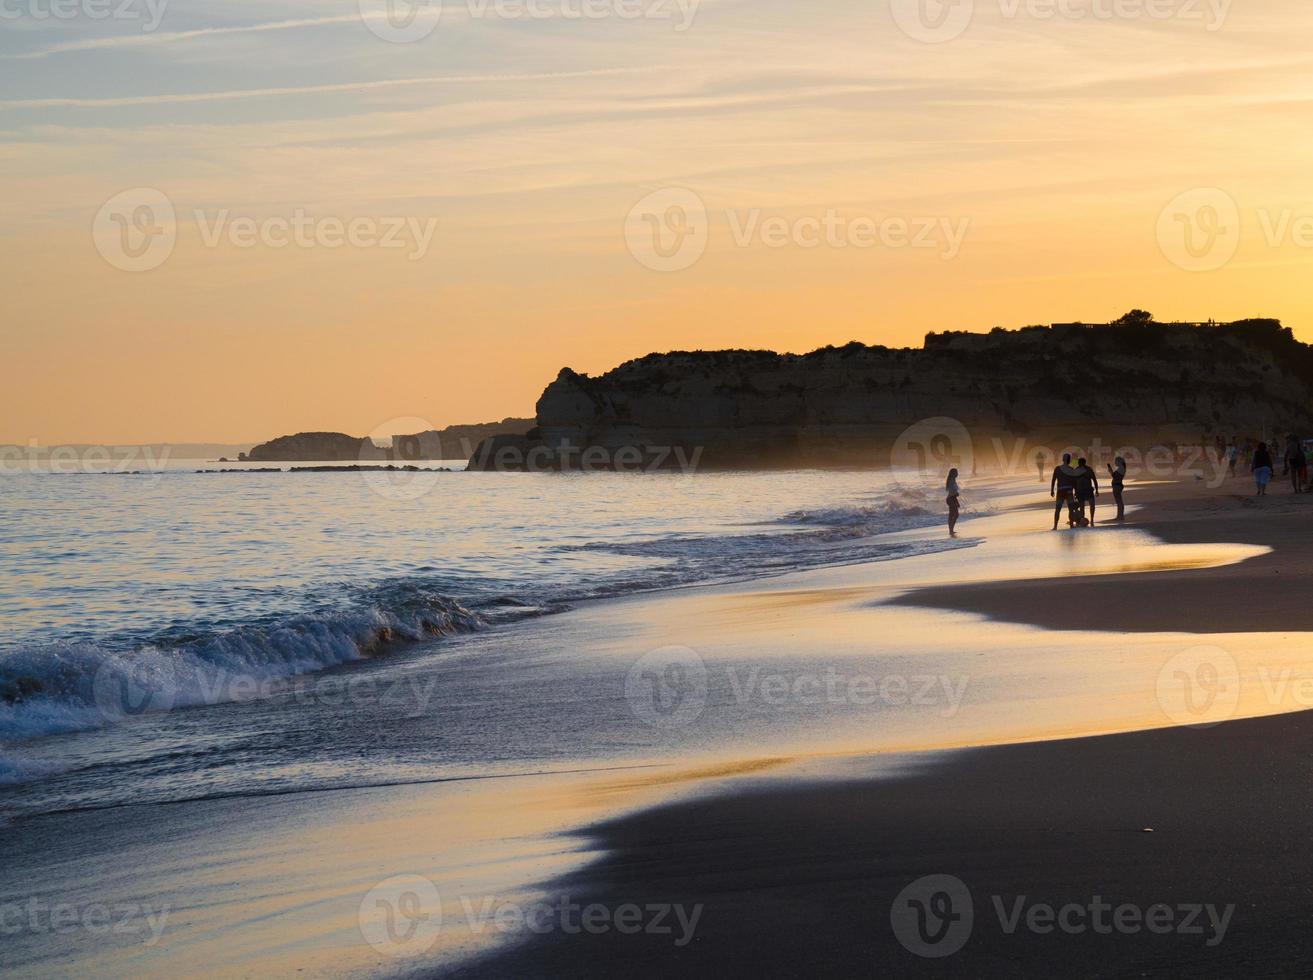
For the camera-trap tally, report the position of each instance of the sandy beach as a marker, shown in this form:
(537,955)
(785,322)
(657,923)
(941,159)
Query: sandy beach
(1183,600)
(550,489)
(1005,716)
(1059,848)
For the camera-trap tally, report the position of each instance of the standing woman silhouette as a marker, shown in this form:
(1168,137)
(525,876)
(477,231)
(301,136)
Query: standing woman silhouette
(1118,482)
(952,489)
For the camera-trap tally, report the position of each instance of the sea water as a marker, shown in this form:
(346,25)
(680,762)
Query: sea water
(126,597)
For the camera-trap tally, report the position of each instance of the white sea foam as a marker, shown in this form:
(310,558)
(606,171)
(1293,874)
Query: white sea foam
(70,687)
(319,575)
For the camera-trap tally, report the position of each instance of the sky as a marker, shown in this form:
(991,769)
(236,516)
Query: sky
(225,220)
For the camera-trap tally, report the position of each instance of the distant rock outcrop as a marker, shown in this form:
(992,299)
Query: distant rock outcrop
(1133,382)
(453,442)
(323,446)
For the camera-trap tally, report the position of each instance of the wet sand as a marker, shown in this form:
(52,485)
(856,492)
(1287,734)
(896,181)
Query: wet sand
(791,822)
(798,879)
(1175,851)
(1270,592)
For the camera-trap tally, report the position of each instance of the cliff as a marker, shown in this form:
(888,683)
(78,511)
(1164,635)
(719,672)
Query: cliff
(1133,382)
(453,442)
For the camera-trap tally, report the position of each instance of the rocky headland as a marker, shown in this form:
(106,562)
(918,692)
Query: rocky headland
(1132,382)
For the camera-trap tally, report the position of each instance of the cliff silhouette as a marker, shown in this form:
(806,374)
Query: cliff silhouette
(453,442)
(1132,382)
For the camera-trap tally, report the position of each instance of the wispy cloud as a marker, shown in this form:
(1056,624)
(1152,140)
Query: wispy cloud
(362,86)
(170,37)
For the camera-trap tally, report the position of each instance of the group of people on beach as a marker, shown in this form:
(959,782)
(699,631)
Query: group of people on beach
(1261,462)
(1076,487)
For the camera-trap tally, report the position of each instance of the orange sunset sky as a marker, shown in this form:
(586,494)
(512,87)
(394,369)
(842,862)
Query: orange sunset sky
(1071,150)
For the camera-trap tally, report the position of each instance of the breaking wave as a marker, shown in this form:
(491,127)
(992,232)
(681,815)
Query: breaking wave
(66,687)
(84,683)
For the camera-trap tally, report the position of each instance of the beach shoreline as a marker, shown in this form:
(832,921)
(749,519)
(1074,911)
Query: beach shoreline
(813,875)
(788,820)
(1175,513)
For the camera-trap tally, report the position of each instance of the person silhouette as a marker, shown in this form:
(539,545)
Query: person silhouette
(953,491)
(1261,465)
(1298,464)
(1118,482)
(1062,487)
(1087,488)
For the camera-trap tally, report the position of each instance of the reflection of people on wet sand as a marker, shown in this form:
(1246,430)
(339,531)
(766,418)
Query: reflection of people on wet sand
(1118,475)
(1062,487)
(1262,467)
(952,489)
(1087,488)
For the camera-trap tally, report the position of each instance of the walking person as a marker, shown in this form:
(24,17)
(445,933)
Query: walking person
(1298,461)
(953,501)
(1118,475)
(1231,455)
(1262,468)
(1062,487)
(1087,488)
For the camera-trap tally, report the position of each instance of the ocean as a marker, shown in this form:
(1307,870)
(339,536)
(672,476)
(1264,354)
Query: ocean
(172,634)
